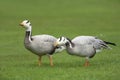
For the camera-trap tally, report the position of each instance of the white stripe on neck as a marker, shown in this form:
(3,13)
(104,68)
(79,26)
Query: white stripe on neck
(70,45)
(29,28)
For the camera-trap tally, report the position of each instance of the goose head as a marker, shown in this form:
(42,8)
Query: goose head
(63,41)
(26,24)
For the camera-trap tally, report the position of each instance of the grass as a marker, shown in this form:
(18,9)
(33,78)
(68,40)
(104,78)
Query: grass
(59,17)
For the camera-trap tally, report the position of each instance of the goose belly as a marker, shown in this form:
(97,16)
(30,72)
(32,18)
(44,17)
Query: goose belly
(83,51)
(40,49)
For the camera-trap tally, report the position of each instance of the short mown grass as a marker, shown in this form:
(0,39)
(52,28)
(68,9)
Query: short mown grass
(68,18)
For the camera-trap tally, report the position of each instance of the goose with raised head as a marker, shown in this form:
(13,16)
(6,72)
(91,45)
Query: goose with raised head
(39,44)
(83,46)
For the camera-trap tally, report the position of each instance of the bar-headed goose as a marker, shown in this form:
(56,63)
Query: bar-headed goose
(84,46)
(39,44)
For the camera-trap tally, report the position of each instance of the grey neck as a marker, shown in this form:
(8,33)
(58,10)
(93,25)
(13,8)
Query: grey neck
(27,37)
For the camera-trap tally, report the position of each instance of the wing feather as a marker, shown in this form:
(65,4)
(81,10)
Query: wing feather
(90,40)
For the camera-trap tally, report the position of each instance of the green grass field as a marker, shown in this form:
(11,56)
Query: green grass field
(59,18)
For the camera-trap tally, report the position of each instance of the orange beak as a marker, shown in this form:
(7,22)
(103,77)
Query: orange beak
(21,24)
(55,44)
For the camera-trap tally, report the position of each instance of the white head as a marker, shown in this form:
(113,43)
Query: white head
(26,24)
(63,41)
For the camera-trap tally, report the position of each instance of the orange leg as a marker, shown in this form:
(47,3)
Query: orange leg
(39,61)
(86,63)
(51,61)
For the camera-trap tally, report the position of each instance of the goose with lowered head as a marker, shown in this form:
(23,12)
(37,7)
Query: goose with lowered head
(84,46)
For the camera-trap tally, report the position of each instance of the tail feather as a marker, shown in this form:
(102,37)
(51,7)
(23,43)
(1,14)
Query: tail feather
(110,43)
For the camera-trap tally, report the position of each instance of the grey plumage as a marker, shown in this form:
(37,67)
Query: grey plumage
(40,44)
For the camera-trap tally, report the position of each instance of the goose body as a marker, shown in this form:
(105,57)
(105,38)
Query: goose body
(91,41)
(39,44)
(83,46)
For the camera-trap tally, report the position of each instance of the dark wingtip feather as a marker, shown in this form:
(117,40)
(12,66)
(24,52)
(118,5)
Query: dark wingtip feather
(110,43)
